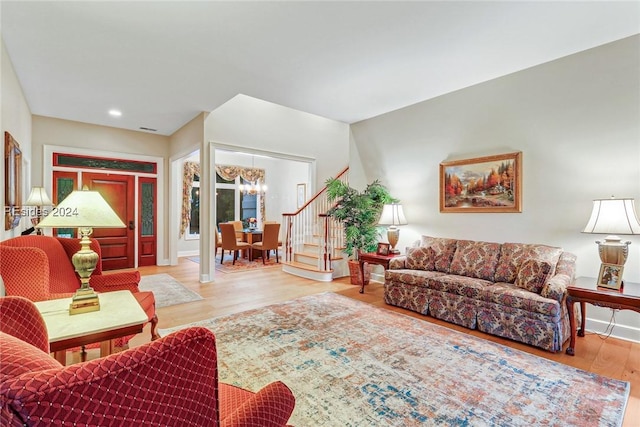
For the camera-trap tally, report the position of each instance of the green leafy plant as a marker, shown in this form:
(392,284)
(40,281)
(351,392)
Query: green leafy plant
(359,211)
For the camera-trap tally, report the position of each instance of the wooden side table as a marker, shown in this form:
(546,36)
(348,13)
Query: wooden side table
(585,290)
(374,258)
(120,315)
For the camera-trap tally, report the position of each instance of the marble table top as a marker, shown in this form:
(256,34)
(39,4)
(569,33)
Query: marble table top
(118,309)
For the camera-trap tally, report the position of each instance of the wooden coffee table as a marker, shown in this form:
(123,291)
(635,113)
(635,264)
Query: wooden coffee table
(585,290)
(120,315)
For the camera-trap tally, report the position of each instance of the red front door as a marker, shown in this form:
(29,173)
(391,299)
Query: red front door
(117,244)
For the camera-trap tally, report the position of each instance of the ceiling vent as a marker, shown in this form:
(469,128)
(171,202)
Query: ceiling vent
(148,129)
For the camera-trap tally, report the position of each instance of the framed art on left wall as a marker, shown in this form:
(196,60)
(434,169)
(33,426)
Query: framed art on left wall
(12,182)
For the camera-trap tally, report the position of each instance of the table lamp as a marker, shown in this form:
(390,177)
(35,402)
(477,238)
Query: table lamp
(83,209)
(392,216)
(613,217)
(38,198)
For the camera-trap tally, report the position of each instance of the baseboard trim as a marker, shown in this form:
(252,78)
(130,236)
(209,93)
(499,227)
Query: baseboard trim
(188,253)
(623,332)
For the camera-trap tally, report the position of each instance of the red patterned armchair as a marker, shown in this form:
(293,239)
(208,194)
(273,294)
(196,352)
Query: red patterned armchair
(39,268)
(169,382)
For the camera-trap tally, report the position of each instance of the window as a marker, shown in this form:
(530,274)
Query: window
(231,204)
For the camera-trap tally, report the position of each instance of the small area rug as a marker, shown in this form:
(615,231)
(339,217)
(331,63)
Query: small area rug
(167,290)
(352,364)
(242,264)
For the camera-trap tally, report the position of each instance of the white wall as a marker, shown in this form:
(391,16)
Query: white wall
(252,123)
(577,122)
(15,117)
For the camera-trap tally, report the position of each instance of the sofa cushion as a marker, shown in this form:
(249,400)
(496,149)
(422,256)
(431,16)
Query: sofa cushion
(509,298)
(411,277)
(420,258)
(469,287)
(443,250)
(512,255)
(475,259)
(532,275)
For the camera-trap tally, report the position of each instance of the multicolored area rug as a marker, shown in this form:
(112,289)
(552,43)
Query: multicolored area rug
(242,264)
(167,290)
(352,364)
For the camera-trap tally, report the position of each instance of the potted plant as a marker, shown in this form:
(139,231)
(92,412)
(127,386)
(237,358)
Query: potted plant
(359,211)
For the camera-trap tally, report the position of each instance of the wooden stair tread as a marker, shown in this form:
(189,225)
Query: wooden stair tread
(304,266)
(315,255)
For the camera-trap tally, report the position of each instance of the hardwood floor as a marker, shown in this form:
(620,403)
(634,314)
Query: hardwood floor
(236,292)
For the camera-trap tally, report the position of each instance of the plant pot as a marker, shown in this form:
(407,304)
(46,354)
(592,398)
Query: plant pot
(356,275)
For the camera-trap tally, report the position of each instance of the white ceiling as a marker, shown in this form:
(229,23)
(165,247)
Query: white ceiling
(161,63)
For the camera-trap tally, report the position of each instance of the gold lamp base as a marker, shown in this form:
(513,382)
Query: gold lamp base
(85,260)
(84,301)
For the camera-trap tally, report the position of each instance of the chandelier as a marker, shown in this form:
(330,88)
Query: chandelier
(253,188)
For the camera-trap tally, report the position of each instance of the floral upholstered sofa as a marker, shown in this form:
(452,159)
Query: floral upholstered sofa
(513,290)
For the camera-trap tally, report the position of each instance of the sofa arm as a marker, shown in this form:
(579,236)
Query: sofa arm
(556,287)
(270,407)
(21,319)
(398,263)
(171,381)
(121,281)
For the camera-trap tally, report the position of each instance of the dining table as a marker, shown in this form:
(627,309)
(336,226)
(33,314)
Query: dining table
(252,235)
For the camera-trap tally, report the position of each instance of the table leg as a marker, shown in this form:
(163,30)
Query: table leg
(572,327)
(583,318)
(106,348)
(362,276)
(61,356)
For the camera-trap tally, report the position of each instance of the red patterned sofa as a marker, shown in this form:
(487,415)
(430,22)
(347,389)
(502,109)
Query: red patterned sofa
(172,381)
(513,290)
(39,268)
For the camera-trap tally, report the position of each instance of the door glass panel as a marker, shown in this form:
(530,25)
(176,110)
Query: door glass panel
(64,188)
(147,208)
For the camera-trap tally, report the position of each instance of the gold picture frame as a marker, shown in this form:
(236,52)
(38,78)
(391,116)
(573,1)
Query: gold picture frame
(482,184)
(12,182)
(610,276)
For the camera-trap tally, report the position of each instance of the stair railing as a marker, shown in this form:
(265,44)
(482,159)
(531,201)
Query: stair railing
(312,220)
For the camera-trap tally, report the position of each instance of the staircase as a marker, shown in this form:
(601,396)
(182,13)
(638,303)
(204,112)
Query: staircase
(313,241)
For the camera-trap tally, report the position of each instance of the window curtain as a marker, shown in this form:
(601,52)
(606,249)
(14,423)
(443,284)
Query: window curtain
(190,170)
(231,172)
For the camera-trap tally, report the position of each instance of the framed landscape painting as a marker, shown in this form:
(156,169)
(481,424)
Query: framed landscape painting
(482,184)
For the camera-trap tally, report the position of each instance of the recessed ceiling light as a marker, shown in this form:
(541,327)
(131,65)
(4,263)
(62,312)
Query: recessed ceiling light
(115,113)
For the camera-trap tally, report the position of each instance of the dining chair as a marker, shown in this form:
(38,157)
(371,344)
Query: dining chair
(279,237)
(230,243)
(269,241)
(239,229)
(218,243)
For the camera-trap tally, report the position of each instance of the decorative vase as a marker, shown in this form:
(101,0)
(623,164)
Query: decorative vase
(356,275)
